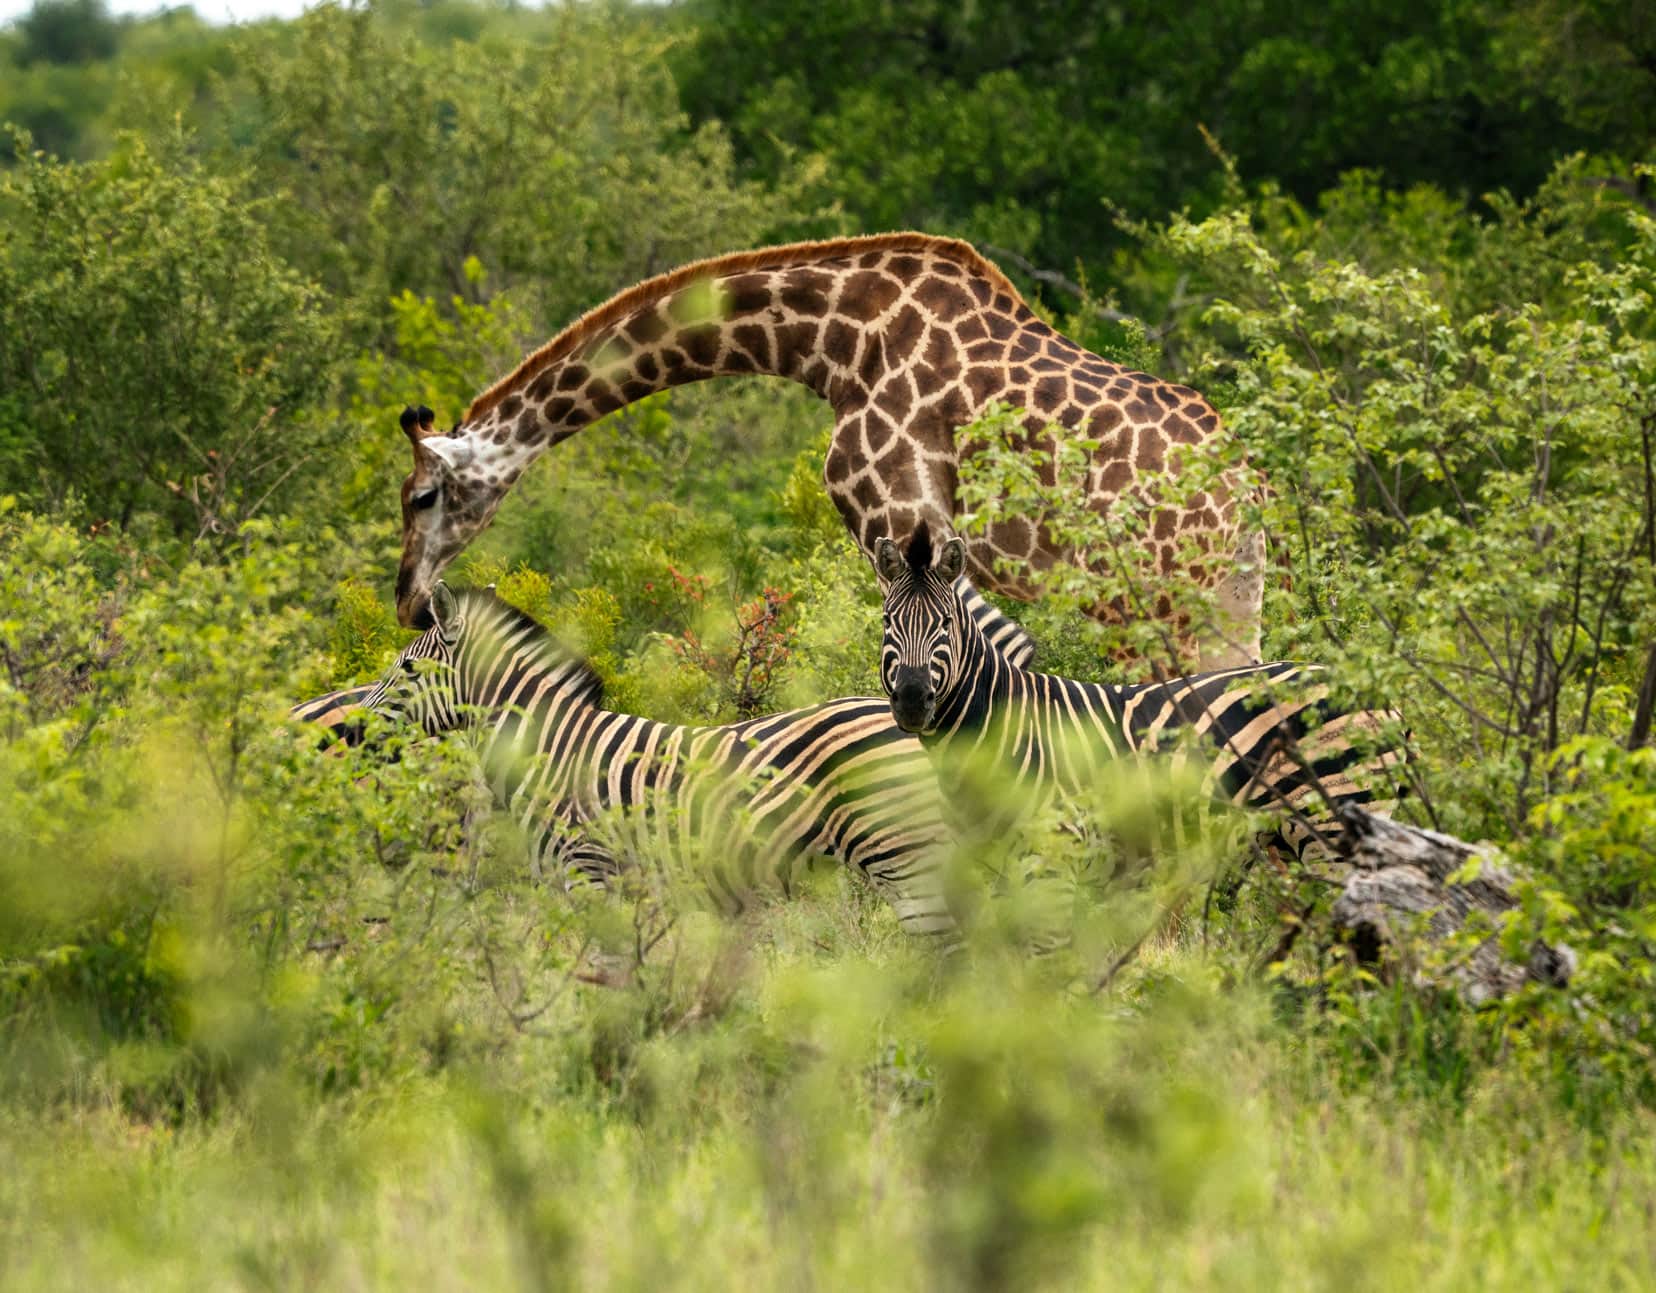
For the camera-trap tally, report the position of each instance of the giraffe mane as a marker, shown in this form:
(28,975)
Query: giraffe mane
(623,303)
(583,684)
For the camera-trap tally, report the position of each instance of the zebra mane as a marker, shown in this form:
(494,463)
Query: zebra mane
(486,607)
(919,553)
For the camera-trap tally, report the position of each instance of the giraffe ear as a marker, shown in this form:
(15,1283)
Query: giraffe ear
(453,454)
(445,607)
(951,563)
(888,561)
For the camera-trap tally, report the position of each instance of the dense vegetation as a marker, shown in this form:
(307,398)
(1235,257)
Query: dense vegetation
(271,1017)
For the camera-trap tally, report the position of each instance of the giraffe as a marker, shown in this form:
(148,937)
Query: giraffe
(908,337)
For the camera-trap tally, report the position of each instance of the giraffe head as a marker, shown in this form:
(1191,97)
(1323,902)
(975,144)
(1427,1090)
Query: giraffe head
(925,625)
(446,500)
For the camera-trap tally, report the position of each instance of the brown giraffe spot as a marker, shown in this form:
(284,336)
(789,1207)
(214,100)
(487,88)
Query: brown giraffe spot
(1017,376)
(836,468)
(635,390)
(1115,476)
(942,355)
(903,334)
(866,296)
(897,468)
(839,342)
(904,266)
(1164,524)
(701,343)
(896,399)
(1106,420)
(1003,302)
(1208,421)
(557,410)
(795,343)
(1042,364)
(949,412)
(738,361)
(1182,393)
(945,300)
(1142,410)
(1164,397)
(646,327)
(755,340)
(572,378)
(807,294)
(747,294)
(1050,393)
(982,384)
(542,386)
(946,268)
(981,291)
(871,259)
(873,362)
(676,365)
(873,529)
(1180,431)
(647,368)
(509,407)
(1000,327)
(1023,349)
(866,492)
(1087,381)
(985,352)
(602,398)
(877,432)
(969,330)
(1150,449)
(1070,415)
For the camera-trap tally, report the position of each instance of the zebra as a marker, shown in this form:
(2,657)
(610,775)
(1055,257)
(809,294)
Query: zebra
(1276,741)
(836,779)
(338,712)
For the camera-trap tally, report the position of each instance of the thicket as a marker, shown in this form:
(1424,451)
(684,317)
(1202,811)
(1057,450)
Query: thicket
(272,1015)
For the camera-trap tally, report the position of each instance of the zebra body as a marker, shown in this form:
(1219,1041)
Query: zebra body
(743,803)
(1266,735)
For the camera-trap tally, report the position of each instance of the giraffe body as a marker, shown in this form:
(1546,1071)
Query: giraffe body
(908,338)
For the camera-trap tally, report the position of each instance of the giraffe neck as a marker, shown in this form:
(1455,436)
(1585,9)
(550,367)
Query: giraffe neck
(862,323)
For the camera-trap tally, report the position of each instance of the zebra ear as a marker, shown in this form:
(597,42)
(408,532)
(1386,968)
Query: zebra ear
(445,607)
(888,561)
(952,563)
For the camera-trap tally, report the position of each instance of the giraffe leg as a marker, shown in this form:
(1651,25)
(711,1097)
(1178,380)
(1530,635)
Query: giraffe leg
(1240,597)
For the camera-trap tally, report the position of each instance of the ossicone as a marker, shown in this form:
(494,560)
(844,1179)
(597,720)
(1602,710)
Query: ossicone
(417,423)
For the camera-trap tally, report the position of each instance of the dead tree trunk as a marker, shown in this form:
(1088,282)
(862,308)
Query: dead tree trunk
(1399,911)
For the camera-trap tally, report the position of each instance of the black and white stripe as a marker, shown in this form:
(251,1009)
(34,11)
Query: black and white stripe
(743,804)
(1269,737)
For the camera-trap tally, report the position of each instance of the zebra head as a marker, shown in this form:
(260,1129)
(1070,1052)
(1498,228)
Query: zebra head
(419,687)
(925,625)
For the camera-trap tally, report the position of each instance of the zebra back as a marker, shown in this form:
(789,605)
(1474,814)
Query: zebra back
(742,804)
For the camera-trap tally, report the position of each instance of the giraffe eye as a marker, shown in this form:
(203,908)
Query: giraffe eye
(424,499)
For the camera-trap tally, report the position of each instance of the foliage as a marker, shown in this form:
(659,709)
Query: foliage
(273,1016)
(1462,493)
(555,158)
(154,353)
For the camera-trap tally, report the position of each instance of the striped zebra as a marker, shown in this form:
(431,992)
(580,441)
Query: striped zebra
(1273,740)
(743,804)
(333,711)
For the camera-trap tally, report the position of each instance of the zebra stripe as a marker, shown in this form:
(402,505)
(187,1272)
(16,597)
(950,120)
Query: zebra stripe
(742,804)
(1271,739)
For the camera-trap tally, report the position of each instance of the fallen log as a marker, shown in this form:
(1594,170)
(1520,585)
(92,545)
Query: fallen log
(1398,909)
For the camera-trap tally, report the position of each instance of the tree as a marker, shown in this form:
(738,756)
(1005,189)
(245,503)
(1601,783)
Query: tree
(154,353)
